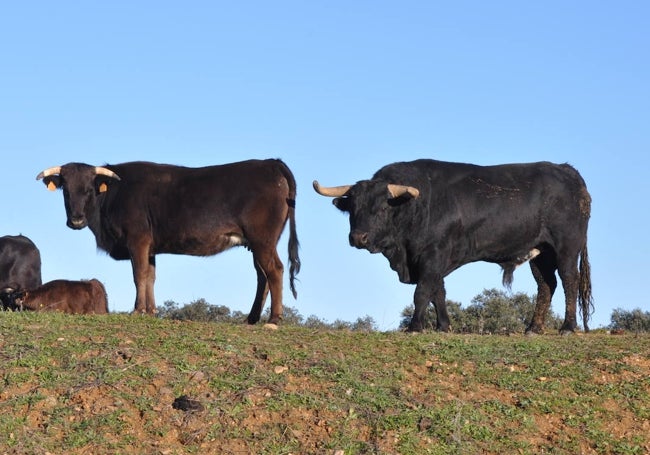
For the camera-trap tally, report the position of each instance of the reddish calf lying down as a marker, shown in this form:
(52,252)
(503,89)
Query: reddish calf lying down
(74,297)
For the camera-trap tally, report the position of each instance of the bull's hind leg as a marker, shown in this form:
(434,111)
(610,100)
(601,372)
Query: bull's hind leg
(260,296)
(568,270)
(543,268)
(440,303)
(270,268)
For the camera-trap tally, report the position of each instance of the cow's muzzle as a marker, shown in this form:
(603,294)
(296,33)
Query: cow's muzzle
(76,223)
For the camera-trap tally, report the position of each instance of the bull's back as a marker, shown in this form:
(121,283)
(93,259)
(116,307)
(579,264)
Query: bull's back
(493,207)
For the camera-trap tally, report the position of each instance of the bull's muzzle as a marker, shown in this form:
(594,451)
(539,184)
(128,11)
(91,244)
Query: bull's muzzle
(359,239)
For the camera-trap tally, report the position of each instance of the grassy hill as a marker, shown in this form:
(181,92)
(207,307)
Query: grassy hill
(110,385)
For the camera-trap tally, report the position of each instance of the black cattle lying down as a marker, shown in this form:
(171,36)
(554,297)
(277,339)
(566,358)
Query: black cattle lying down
(137,210)
(74,297)
(20,266)
(431,217)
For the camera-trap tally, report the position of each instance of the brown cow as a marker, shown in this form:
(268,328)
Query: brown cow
(74,297)
(138,210)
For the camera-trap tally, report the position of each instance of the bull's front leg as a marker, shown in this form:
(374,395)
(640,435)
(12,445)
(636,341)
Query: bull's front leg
(430,291)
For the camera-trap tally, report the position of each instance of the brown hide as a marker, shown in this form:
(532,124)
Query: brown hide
(140,209)
(74,297)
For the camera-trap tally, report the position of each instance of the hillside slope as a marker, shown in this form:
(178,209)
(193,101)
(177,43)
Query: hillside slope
(111,384)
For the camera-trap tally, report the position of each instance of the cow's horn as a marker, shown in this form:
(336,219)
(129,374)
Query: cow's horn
(47,172)
(107,172)
(400,190)
(331,191)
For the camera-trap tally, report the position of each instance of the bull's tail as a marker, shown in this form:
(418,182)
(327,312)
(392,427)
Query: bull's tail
(294,259)
(585,299)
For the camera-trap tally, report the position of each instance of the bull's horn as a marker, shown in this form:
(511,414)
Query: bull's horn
(107,172)
(331,191)
(400,190)
(47,172)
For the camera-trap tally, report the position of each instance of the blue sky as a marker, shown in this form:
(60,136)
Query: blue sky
(337,90)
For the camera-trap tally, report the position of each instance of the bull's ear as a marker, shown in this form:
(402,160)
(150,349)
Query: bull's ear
(52,182)
(342,203)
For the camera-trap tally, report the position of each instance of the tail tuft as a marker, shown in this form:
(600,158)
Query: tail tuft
(585,299)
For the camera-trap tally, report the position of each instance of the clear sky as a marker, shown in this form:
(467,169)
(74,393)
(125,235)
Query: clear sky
(336,89)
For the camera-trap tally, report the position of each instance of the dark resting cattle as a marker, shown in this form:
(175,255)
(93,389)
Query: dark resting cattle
(431,217)
(139,209)
(73,297)
(20,266)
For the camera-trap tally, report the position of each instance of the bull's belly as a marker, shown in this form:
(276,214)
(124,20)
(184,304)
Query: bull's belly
(517,258)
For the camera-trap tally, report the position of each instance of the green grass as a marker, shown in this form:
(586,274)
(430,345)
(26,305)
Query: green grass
(106,384)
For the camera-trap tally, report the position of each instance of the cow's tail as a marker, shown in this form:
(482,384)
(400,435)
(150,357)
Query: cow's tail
(294,259)
(585,299)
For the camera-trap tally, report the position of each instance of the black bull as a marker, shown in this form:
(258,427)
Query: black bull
(137,210)
(431,217)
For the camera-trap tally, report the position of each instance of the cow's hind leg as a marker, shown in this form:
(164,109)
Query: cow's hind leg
(268,265)
(151,279)
(543,268)
(260,296)
(144,276)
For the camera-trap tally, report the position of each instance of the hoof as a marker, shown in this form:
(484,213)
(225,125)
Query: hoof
(415,328)
(533,330)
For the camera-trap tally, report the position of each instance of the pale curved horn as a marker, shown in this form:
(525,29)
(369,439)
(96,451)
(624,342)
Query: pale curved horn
(331,191)
(50,171)
(107,172)
(400,190)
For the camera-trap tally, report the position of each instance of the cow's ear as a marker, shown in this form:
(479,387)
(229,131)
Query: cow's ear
(102,185)
(52,182)
(342,203)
